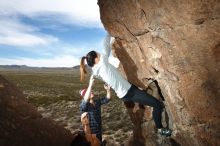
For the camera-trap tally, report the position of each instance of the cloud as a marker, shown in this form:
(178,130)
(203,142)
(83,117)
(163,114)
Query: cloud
(82,12)
(50,13)
(59,61)
(15,33)
(38,29)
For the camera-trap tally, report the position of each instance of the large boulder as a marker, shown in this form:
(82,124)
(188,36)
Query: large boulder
(177,44)
(22,125)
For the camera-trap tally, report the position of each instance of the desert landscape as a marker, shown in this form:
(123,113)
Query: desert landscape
(55,94)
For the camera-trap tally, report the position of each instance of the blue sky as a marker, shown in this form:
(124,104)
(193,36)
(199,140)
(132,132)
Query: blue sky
(49,33)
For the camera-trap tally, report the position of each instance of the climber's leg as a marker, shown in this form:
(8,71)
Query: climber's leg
(136,95)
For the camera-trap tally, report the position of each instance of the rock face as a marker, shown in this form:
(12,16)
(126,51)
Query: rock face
(177,44)
(22,125)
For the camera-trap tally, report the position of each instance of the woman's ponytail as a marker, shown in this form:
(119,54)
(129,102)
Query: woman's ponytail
(90,59)
(83,71)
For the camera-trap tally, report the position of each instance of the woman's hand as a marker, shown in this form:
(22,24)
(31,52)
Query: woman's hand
(107,87)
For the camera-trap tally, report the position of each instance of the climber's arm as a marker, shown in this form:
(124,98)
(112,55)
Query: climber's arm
(88,91)
(107,46)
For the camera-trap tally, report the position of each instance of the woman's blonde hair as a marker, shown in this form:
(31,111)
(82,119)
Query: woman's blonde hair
(90,59)
(83,71)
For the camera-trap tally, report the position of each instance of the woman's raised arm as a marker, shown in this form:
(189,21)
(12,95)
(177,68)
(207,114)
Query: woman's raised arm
(107,45)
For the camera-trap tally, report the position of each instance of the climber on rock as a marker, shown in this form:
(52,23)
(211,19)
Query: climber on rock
(126,91)
(92,108)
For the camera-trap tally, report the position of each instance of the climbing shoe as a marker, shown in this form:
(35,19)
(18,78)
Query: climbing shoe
(166,132)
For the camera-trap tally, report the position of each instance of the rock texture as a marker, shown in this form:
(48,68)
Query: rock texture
(22,125)
(177,44)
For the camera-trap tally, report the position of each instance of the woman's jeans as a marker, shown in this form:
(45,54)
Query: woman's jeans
(136,95)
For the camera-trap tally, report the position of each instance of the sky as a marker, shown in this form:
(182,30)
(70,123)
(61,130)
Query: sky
(49,33)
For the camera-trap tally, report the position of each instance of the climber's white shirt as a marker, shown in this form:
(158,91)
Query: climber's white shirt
(109,74)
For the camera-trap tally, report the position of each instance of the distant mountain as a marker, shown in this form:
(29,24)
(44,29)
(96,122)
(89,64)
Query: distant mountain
(87,68)
(76,67)
(13,66)
(26,67)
